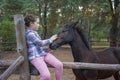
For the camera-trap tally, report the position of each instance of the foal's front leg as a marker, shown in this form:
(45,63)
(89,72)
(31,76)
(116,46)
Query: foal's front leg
(80,79)
(91,74)
(91,79)
(117,75)
(85,79)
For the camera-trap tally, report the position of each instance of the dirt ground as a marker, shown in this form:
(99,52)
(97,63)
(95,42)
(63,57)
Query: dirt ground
(64,55)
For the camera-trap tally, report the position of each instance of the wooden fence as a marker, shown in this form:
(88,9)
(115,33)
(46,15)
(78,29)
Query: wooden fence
(22,62)
(11,68)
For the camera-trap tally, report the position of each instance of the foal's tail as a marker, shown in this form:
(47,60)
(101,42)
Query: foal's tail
(117,53)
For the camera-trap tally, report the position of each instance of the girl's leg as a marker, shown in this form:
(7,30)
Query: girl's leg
(42,68)
(52,60)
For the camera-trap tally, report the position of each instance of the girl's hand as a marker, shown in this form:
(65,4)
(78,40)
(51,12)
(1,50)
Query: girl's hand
(50,51)
(54,37)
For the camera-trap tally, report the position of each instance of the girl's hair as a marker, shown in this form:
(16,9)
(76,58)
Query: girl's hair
(29,18)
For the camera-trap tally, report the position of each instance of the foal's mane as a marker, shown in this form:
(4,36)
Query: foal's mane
(83,37)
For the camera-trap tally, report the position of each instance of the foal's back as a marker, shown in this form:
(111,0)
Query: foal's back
(109,56)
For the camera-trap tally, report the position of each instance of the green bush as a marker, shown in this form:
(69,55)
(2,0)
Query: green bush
(7,32)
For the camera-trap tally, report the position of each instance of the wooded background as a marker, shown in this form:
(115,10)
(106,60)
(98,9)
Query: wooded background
(99,18)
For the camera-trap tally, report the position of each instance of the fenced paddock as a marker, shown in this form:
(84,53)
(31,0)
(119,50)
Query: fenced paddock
(22,62)
(63,54)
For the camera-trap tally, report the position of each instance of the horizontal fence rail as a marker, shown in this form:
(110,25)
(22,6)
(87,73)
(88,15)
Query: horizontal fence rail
(79,65)
(11,68)
(76,65)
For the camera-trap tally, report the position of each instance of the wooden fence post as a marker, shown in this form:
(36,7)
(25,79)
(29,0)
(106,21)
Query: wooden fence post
(21,46)
(0,44)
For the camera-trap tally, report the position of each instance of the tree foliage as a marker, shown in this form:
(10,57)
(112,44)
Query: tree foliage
(94,15)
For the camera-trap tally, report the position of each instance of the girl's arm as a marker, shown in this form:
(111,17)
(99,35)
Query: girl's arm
(38,41)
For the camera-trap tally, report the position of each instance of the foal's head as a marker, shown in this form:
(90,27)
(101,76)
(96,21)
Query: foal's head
(65,36)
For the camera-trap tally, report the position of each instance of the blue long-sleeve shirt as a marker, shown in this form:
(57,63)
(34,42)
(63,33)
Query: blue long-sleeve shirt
(35,45)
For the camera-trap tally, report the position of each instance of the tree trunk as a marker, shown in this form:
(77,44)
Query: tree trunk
(114,22)
(45,20)
(114,30)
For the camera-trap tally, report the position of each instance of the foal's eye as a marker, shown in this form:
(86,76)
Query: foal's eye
(63,31)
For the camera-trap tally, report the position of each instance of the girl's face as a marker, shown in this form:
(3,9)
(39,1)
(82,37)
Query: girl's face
(35,25)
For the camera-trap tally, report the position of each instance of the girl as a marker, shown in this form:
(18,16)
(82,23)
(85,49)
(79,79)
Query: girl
(38,53)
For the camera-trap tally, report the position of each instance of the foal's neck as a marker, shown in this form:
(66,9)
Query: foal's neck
(79,50)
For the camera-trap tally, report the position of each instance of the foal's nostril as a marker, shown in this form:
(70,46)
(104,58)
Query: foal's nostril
(51,47)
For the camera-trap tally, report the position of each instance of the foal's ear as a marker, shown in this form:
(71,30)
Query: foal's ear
(75,24)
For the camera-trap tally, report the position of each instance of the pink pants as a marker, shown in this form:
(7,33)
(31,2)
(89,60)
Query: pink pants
(40,64)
